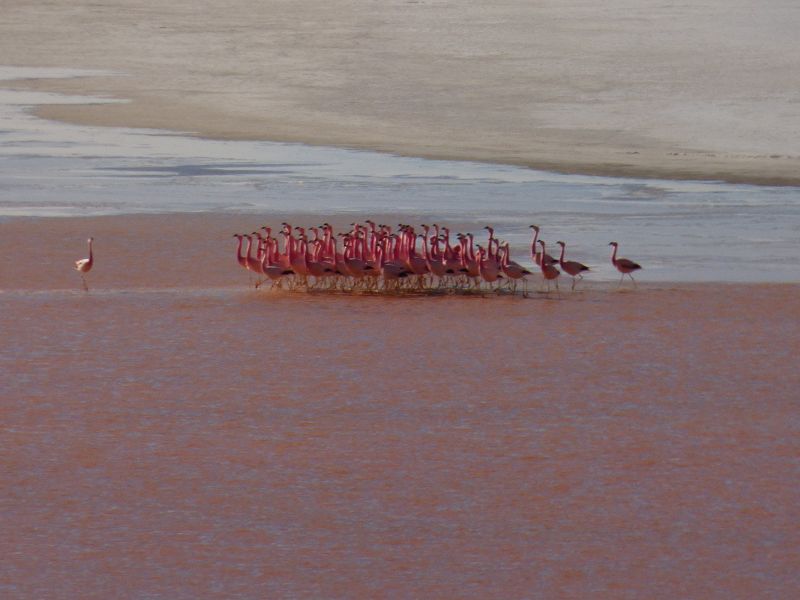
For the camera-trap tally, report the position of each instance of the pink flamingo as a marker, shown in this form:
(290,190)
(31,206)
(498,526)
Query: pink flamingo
(275,272)
(570,267)
(297,256)
(549,272)
(85,265)
(513,270)
(415,263)
(432,261)
(489,269)
(239,256)
(355,267)
(535,254)
(469,262)
(623,265)
(452,258)
(392,271)
(253,264)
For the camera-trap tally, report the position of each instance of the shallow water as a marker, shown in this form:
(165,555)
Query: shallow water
(182,444)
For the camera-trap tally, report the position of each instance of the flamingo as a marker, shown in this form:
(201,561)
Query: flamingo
(239,256)
(535,254)
(435,264)
(392,270)
(489,269)
(549,272)
(274,272)
(571,267)
(253,264)
(85,265)
(623,265)
(513,269)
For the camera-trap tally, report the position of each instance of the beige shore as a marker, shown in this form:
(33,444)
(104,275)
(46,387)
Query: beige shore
(699,91)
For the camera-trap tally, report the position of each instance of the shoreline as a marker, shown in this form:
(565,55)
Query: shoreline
(616,90)
(645,163)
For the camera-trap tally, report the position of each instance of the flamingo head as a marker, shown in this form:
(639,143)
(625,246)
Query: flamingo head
(561,243)
(613,244)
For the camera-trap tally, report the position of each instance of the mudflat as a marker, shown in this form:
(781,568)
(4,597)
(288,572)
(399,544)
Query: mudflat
(174,433)
(700,91)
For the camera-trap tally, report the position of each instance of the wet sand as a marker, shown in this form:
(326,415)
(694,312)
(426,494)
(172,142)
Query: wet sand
(637,89)
(174,434)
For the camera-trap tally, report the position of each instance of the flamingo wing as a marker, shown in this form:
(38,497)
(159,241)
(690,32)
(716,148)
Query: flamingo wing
(628,264)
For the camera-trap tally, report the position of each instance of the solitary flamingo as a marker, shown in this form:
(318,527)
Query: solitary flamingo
(571,267)
(84,265)
(623,265)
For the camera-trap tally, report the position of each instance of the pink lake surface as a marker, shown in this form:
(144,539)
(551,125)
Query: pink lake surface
(174,434)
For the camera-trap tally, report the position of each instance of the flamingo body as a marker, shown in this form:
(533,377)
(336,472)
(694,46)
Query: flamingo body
(84,265)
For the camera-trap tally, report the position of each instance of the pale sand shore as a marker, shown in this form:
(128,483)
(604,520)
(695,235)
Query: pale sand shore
(702,91)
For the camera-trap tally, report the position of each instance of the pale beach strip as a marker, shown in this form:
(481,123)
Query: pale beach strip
(632,89)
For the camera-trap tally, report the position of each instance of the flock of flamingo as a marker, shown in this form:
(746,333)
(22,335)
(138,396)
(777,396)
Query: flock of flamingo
(372,257)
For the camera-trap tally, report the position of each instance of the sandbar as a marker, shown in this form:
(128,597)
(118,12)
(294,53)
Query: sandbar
(630,89)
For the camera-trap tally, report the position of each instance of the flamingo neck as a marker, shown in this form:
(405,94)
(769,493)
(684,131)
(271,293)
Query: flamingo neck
(463,253)
(239,255)
(543,262)
(534,249)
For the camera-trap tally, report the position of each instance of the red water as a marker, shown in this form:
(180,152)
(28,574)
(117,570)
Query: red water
(161,438)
